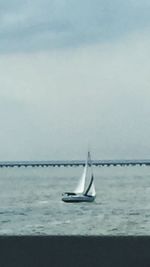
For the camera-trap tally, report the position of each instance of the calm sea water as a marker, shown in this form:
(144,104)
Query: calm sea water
(30,202)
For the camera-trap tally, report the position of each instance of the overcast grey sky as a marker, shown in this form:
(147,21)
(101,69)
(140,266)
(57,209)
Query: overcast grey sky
(74,73)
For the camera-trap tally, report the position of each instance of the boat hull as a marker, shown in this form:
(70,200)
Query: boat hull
(76,198)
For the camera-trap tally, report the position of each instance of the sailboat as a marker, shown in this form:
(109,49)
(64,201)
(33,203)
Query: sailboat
(80,194)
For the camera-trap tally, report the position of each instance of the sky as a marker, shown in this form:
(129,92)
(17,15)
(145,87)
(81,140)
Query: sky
(74,74)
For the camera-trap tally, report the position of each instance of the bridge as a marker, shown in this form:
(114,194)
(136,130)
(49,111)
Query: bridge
(74,163)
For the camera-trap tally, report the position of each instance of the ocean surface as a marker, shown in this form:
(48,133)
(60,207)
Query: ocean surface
(30,202)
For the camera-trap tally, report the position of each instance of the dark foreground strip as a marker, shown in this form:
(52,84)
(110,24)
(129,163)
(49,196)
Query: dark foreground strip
(66,251)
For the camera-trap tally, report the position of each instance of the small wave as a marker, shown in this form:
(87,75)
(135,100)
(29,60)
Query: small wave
(5,221)
(38,233)
(97,203)
(114,229)
(7,212)
(134,213)
(22,213)
(42,202)
(47,213)
(12,212)
(2,212)
(67,222)
(6,232)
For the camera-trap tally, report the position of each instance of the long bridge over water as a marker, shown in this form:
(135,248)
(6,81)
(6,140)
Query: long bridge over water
(74,163)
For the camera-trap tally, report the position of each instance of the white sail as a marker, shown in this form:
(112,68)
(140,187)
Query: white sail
(80,187)
(92,191)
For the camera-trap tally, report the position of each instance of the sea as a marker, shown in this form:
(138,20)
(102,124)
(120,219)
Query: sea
(30,202)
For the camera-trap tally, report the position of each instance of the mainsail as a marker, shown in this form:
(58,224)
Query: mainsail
(80,187)
(81,184)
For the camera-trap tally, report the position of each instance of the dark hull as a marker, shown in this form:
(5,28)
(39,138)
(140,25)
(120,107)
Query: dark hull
(77,199)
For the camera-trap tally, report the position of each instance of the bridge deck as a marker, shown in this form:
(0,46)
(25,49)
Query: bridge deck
(71,163)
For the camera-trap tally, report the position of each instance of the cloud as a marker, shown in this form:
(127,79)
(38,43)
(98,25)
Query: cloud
(43,24)
(73,73)
(53,103)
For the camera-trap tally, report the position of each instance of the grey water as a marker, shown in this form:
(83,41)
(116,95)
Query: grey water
(30,202)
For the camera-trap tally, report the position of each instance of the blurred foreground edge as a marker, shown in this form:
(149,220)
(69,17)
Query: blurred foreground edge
(70,251)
